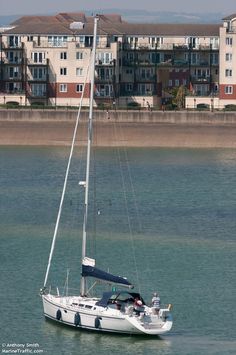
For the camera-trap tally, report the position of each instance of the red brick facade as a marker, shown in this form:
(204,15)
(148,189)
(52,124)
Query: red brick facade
(71,90)
(224,95)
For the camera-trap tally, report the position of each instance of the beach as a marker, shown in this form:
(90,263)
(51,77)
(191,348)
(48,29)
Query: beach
(114,129)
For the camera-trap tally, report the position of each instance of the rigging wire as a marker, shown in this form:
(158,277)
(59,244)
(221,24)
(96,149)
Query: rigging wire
(118,136)
(126,199)
(65,182)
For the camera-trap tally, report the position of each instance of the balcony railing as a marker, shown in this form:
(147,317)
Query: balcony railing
(37,63)
(36,79)
(231,29)
(201,78)
(102,79)
(46,44)
(14,61)
(141,46)
(12,45)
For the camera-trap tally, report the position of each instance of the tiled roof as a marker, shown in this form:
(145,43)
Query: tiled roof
(171,29)
(230,17)
(109,23)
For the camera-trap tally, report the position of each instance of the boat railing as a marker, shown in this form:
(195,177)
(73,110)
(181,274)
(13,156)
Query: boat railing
(60,291)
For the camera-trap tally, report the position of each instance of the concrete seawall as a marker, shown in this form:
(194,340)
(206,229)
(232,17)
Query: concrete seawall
(132,128)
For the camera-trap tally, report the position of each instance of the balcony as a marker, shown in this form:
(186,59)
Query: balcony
(231,29)
(12,45)
(100,62)
(146,47)
(42,62)
(180,62)
(49,44)
(147,79)
(31,78)
(201,79)
(103,79)
(12,61)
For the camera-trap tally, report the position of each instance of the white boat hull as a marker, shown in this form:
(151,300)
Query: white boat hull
(81,312)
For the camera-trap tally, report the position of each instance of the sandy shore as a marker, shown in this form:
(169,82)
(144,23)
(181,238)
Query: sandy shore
(113,133)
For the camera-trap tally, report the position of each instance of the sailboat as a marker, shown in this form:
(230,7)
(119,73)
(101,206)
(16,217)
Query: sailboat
(117,311)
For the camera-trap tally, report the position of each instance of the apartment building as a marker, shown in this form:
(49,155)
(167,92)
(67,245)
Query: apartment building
(227,93)
(45,59)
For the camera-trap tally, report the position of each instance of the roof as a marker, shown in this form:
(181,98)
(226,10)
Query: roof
(230,17)
(172,29)
(110,24)
(118,296)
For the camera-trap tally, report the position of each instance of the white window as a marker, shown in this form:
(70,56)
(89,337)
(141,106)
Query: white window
(79,55)
(215,58)
(228,89)
(38,90)
(38,57)
(228,57)
(63,55)
(63,71)
(57,41)
(194,58)
(104,90)
(39,73)
(79,71)
(63,88)
(79,87)
(228,72)
(13,72)
(129,87)
(170,83)
(184,81)
(104,58)
(176,82)
(229,41)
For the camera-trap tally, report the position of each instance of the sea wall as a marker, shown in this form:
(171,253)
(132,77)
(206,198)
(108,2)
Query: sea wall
(120,128)
(196,117)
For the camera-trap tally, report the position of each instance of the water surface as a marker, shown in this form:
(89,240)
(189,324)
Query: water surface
(179,239)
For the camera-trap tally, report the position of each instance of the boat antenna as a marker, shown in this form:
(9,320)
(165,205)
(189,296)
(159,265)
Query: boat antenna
(83,280)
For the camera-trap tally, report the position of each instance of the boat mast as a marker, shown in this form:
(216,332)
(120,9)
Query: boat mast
(83,280)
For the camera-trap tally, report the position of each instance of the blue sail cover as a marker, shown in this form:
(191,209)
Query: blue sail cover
(102,275)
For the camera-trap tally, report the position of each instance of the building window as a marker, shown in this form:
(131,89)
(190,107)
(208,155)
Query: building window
(176,82)
(170,83)
(63,88)
(228,72)
(79,71)
(215,58)
(228,89)
(79,55)
(129,87)
(63,55)
(39,73)
(63,71)
(57,41)
(38,57)
(79,87)
(228,57)
(13,72)
(104,58)
(229,41)
(38,90)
